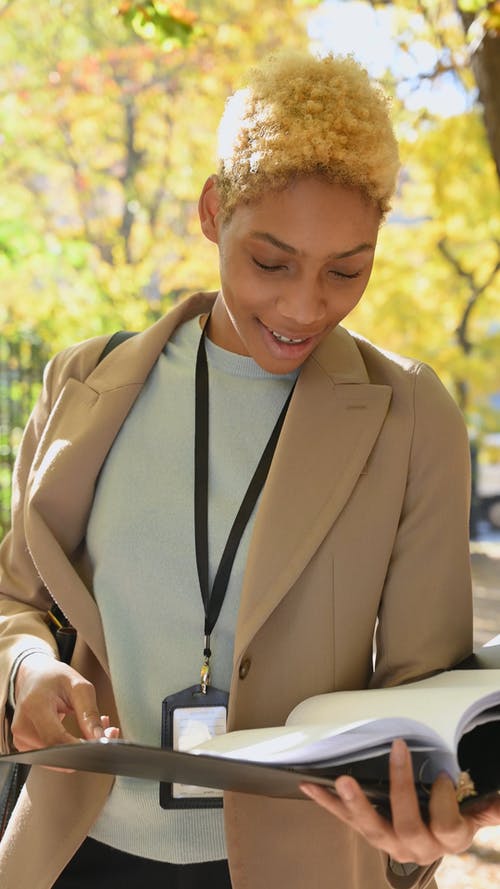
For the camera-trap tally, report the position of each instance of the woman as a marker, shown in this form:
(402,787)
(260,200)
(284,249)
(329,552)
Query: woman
(360,527)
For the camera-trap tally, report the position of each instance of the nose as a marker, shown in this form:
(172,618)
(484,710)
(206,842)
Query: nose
(302,305)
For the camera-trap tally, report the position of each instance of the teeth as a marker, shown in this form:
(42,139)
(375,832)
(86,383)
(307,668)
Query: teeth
(285,339)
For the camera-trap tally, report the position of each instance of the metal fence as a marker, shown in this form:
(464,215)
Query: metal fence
(22,360)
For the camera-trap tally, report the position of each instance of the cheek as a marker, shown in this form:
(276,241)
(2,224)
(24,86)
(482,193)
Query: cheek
(344,303)
(244,291)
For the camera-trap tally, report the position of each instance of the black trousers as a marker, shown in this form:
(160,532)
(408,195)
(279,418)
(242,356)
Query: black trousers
(97,866)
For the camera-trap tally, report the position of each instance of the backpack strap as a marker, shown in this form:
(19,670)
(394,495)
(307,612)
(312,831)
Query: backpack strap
(119,337)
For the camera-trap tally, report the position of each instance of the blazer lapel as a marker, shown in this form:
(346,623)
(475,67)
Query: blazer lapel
(79,434)
(332,424)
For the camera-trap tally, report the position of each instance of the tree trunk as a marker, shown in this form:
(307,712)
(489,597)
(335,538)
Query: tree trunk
(485,63)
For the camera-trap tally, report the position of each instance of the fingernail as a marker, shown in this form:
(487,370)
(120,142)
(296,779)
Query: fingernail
(399,753)
(345,789)
(98,732)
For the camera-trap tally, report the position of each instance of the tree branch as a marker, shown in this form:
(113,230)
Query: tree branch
(475,291)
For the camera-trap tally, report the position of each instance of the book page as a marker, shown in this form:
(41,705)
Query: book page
(301,745)
(446,703)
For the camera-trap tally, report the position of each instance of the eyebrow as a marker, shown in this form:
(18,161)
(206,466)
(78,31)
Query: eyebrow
(271,239)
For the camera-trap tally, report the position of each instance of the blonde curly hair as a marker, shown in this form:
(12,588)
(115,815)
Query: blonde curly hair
(299,116)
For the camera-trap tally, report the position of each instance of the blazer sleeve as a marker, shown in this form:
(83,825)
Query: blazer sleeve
(24,600)
(425,615)
(425,618)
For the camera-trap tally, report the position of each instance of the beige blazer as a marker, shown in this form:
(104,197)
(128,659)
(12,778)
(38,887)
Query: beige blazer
(362,526)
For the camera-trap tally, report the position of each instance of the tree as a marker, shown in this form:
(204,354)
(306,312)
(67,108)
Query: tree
(100,164)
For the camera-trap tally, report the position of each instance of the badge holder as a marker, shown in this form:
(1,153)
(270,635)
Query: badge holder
(189,718)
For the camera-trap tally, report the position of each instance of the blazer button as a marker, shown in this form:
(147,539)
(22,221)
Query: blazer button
(244,667)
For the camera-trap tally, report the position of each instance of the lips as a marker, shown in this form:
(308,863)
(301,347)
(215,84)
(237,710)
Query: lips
(287,345)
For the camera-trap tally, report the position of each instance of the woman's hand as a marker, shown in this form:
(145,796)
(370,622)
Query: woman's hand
(407,838)
(46,691)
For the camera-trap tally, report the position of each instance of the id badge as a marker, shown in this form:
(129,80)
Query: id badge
(188,719)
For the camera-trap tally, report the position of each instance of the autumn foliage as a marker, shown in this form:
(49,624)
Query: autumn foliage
(108,117)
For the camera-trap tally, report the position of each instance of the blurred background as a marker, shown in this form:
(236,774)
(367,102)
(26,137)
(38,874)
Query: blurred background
(108,116)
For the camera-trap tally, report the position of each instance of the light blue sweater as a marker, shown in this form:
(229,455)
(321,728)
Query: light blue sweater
(141,543)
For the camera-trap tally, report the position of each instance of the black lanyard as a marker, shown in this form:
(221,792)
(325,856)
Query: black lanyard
(213,599)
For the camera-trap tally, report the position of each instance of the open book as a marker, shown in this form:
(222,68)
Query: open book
(450,722)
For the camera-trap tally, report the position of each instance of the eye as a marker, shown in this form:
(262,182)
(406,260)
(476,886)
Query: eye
(337,274)
(268,268)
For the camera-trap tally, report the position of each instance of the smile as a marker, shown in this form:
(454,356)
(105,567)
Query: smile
(287,339)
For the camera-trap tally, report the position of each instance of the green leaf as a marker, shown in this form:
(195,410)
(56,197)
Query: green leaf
(474,6)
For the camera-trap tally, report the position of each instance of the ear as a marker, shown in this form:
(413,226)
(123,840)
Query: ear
(208,209)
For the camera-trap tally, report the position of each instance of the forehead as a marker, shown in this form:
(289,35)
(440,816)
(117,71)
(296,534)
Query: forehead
(309,214)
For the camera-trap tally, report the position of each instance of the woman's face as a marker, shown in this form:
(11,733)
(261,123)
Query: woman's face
(292,266)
